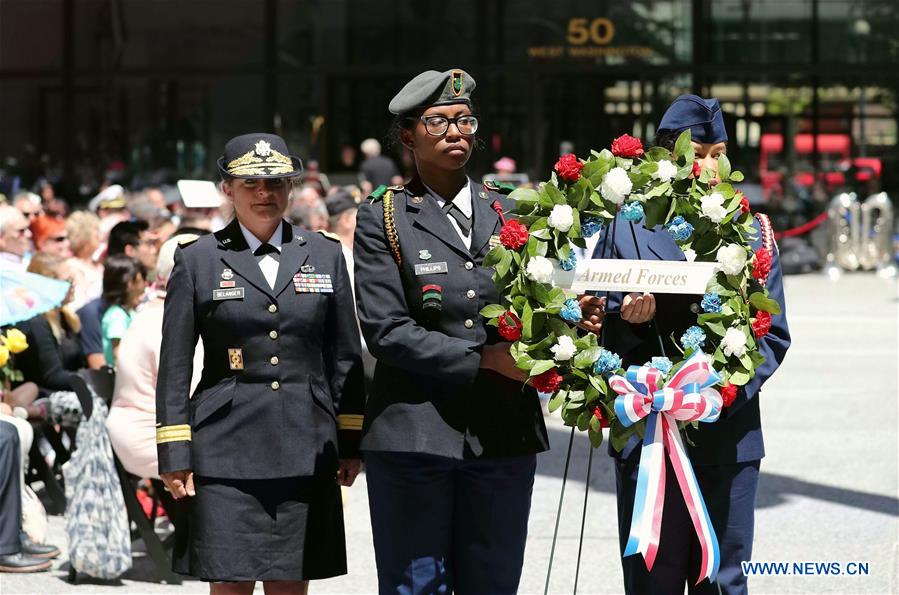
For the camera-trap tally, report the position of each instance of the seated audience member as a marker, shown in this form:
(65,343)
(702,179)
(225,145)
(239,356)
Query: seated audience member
(84,238)
(18,553)
(50,236)
(15,239)
(132,417)
(54,347)
(126,238)
(134,239)
(124,282)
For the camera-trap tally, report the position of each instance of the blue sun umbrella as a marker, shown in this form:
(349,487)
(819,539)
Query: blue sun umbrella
(25,295)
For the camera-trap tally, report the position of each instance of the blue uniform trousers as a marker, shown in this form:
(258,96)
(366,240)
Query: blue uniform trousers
(444,525)
(729,492)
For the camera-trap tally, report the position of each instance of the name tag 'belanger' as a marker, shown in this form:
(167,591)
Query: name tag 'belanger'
(227,294)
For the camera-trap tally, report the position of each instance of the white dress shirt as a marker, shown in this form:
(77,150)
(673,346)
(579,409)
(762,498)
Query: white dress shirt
(463,201)
(268,264)
(587,253)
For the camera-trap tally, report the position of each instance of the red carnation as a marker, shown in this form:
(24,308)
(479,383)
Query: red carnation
(762,264)
(513,235)
(510,326)
(597,413)
(697,169)
(548,382)
(762,324)
(568,168)
(627,146)
(744,205)
(729,394)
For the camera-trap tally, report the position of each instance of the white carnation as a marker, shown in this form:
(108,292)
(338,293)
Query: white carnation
(540,269)
(564,349)
(616,185)
(713,207)
(734,342)
(561,218)
(731,258)
(666,171)
(690,253)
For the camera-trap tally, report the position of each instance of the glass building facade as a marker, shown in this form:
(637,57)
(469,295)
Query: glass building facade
(151,88)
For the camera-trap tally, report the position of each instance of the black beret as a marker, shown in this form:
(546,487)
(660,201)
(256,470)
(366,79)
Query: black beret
(433,88)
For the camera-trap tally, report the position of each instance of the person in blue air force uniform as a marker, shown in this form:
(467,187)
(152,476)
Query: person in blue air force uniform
(450,432)
(274,425)
(725,454)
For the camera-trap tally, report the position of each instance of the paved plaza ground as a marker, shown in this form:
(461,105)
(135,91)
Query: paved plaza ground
(829,487)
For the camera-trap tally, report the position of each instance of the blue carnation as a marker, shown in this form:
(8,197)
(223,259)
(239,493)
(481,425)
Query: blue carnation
(607,362)
(680,229)
(662,364)
(590,226)
(632,211)
(569,263)
(694,338)
(711,303)
(571,311)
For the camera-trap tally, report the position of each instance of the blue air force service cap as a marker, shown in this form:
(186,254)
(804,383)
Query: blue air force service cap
(433,88)
(258,155)
(702,116)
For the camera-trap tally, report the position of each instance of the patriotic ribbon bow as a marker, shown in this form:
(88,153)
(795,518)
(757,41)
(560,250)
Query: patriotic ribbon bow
(688,396)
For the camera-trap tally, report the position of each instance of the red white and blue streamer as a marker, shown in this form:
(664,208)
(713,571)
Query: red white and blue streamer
(688,396)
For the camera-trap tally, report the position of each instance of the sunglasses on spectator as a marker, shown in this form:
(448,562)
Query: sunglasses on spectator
(58,238)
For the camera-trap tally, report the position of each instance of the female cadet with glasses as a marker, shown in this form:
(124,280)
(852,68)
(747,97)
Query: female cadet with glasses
(450,434)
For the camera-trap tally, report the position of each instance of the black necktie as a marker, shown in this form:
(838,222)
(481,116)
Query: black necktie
(266,249)
(456,213)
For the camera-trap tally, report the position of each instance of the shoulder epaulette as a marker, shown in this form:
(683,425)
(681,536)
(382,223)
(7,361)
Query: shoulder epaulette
(378,193)
(188,241)
(381,190)
(501,187)
(329,235)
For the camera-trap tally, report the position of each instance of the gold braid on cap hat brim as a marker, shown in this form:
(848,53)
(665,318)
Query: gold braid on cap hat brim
(250,164)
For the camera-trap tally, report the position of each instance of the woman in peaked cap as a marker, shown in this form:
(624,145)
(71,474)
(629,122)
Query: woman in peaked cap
(257,453)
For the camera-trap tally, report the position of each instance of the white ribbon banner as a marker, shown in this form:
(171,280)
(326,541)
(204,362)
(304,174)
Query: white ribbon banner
(652,276)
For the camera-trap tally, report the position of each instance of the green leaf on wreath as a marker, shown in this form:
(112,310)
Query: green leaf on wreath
(595,436)
(502,267)
(725,190)
(541,366)
(492,311)
(683,147)
(494,256)
(556,195)
(736,176)
(619,435)
(545,199)
(587,357)
(655,211)
(723,167)
(525,195)
(739,378)
(583,420)
(556,401)
(599,383)
(764,303)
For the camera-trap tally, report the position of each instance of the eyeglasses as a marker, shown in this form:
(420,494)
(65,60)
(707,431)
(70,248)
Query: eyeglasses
(21,231)
(59,238)
(438,125)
